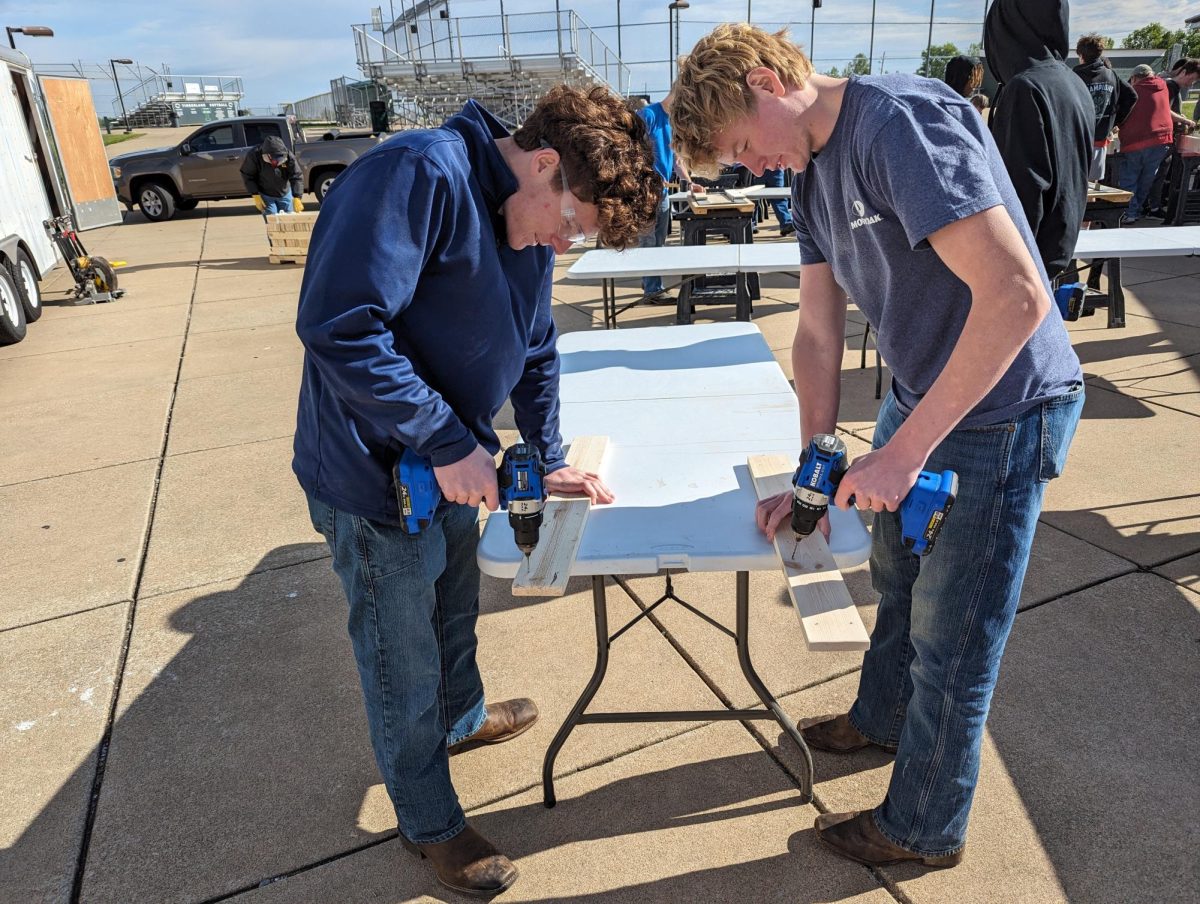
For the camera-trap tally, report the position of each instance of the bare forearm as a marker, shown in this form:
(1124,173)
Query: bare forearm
(816,366)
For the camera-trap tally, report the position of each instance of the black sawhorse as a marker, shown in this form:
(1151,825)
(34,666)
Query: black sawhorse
(741,637)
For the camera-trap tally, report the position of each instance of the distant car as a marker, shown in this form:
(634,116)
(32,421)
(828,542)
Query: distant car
(206,165)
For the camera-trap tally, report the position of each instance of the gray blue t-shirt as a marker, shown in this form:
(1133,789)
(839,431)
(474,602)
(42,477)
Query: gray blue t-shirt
(908,156)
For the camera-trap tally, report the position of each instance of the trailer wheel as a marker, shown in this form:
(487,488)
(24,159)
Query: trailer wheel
(12,312)
(26,276)
(156,202)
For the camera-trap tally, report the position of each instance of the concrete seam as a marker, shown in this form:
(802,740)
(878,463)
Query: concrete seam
(127,637)
(157,594)
(54,618)
(119,464)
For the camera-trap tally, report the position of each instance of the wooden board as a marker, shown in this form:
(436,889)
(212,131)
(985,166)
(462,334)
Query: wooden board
(827,615)
(546,571)
(82,159)
(1098,192)
(719,201)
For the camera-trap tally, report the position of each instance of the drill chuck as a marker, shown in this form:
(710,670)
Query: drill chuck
(521,480)
(822,465)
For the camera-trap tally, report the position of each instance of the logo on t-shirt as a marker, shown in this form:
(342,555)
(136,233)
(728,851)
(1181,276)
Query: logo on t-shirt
(863,219)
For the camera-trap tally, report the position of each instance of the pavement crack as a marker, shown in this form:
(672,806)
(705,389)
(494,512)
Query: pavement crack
(105,744)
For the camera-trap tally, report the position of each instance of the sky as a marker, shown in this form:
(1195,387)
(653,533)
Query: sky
(291,50)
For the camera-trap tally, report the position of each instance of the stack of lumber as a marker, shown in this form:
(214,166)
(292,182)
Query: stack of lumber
(288,234)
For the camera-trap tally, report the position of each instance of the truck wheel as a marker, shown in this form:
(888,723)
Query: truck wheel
(12,312)
(186,204)
(156,202)
(324,181)
(26,277)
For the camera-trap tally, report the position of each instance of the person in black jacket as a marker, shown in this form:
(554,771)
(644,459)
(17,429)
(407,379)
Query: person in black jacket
(1112,96)
(1042,119)
(273,177)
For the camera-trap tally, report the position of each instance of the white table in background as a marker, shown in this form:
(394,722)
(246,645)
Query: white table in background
(683,407)
(1108,246)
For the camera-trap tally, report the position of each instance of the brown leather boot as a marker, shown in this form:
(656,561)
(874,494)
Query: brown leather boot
(503,723)
(467,863)
(836,734)
(855,836)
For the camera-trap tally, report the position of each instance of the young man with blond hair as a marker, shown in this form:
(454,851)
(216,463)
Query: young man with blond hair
(902,202)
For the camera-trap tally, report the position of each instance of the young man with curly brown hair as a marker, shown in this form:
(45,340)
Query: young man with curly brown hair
(902,202)
(425,306)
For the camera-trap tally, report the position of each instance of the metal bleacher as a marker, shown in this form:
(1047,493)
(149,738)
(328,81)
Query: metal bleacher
(431,63)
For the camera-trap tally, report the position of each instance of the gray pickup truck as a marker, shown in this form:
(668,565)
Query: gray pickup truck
(206,165)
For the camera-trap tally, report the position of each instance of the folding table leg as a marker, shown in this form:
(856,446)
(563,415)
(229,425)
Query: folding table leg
(768,699)
(1116,294)
(600,603)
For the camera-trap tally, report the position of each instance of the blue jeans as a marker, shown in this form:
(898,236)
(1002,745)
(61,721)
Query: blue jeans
(413,601)
(652,285)
(943,619)
(1138,170)
(278,205)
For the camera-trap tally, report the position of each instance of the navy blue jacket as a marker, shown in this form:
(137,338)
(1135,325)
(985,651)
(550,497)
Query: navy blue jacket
(418,320)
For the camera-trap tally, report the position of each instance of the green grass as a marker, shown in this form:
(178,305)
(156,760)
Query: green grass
(1189,109)
(118,137)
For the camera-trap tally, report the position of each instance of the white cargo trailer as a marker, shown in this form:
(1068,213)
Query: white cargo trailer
(51,162)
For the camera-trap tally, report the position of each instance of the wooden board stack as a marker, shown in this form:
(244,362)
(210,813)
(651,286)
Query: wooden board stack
(288,234)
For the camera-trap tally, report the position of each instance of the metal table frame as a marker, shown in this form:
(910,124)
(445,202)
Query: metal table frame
(741,636)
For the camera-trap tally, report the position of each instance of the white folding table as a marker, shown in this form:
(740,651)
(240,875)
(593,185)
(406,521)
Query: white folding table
(607,266)
(683,407)
(1109,246)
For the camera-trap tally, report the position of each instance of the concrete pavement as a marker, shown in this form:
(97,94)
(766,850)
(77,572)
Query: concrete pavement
(181,720)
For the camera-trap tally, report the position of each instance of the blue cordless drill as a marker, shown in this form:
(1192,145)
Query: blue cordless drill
(521,479)
(1068,298)
(823,464)
(417,492)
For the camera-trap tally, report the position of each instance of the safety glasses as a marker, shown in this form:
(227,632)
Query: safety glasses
(569,229)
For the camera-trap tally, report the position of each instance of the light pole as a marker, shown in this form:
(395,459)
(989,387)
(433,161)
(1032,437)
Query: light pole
(33,31)
(121,97)
(929,42)
(673,32)
(871,52)
(812,29)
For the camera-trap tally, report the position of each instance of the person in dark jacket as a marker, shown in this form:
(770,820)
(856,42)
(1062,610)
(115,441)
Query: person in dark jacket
(1042,119)
(1112,97)
(273,177)
(1182,77)
(425,307)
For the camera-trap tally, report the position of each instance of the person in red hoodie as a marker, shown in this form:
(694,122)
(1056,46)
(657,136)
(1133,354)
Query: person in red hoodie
(1146,137)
